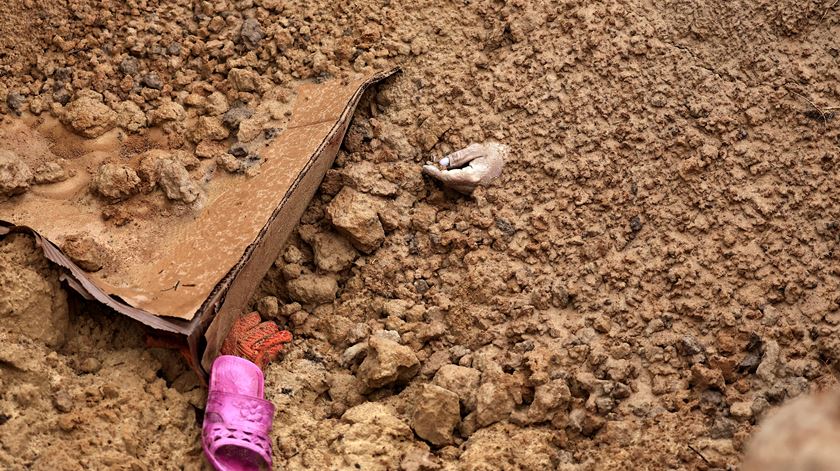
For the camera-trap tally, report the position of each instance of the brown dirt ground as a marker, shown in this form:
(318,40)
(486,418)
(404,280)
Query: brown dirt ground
(661,253)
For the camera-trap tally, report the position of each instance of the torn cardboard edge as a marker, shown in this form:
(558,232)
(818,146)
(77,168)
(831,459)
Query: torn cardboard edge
(227,299)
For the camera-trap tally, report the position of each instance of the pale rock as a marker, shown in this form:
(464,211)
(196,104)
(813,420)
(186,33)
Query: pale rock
(313,289)
(354,215)
(176,182)
(494,403)
(460,380)
(332,252)
(436,414)
(116,182)
(49,172)
(387,362)
(129,116)
(549,399)
(208,128)
(243,80)
(15,175)
(88,116)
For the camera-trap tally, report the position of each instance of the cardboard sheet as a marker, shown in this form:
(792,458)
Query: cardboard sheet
(176,272)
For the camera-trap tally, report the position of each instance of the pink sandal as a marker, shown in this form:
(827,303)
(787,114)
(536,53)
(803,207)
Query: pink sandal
(237,420)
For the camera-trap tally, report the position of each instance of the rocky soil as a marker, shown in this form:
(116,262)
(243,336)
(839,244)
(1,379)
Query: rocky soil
(655,272)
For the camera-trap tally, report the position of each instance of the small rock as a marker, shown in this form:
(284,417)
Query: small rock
(460,380)
(129,66)
(251,33)
(355,216)
(176,182)
(49,172)
(62,401)
(216,104)
(549,399)
(741,410)
(88,116)
(243,80)
(15,102)
(208,128)
(333,252)
(89,365)
(436,413)
(704,378)
(85,252)
(152,80)
(129,116)
(167,111)
(387,362)
(268,307)
(14,174)
(116,182)
(493,404)
(234,116)
(313,289)
(238,150)
(346,389)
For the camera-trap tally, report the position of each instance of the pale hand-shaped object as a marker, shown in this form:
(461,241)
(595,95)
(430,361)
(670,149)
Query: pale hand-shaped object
(475,165)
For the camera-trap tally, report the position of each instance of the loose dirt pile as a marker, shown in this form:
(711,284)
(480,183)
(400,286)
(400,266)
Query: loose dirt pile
(656,270)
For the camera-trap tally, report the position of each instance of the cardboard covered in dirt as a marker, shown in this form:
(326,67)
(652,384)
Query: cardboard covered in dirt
(167,270)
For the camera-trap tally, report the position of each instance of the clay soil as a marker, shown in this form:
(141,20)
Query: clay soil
(656,271)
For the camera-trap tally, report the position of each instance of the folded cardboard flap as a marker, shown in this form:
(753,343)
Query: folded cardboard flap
(198,274)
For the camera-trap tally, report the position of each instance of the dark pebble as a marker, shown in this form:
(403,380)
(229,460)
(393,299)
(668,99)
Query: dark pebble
(235,115)
(15,102)
(152,80)
(238,150)
(251,33)
(129,66)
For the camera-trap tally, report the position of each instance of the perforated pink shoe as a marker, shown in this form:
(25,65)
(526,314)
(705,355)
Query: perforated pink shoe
(237,420)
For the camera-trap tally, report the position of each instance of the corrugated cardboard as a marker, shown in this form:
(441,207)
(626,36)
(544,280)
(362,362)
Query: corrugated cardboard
(197,273)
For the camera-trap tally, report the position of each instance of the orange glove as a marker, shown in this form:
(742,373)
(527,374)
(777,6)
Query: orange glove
(256,341)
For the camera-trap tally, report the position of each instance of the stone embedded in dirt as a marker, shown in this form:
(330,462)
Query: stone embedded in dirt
(365,177)
(313,289)
(208,128)
(129,65)
(129,116)
(176,182)
(244,80)
(741,410)
(15,102)
(49,172)
(88,116)
(15,175)
(493,403)
(32,300)
(251,33)
(332,252)
(167,111)
(268,307)
(234,116)
(549,399)
(460,380)
(116,182)
(346,389)
(216,104)
(85,252)
(152,80)
(251,127)
(62,401)
(209,149)
(354,215)
(436,413)
(387,362)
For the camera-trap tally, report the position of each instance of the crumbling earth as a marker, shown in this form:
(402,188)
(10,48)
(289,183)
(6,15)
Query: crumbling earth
(655,271)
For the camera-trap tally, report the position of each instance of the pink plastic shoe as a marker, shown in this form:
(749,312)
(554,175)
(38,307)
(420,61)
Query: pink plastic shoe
(237,420)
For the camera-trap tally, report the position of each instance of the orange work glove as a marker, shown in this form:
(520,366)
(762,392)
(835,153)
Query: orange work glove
(256,341)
